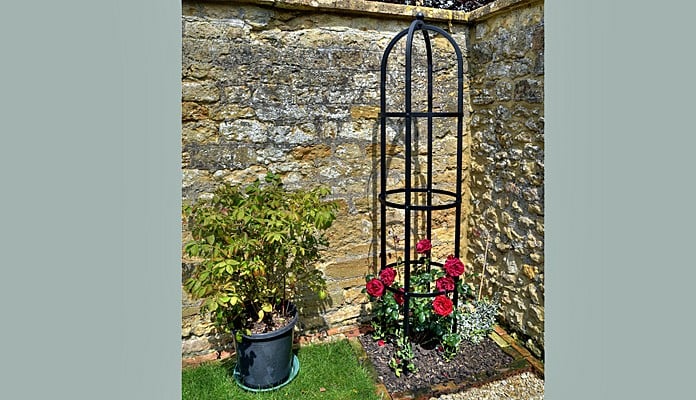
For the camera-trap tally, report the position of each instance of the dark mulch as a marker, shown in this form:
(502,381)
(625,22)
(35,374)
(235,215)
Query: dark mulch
(279,318)
(462,5)
(475,363)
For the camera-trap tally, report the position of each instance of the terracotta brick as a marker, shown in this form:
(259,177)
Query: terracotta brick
(188,362)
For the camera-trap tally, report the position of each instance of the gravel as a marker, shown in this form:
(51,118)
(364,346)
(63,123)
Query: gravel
(525,386)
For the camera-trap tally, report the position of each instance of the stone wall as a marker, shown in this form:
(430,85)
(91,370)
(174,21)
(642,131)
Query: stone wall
(293,87)
(507,186)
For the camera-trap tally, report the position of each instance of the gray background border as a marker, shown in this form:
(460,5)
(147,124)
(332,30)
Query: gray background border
(90,111)
(619,190)
(90,295)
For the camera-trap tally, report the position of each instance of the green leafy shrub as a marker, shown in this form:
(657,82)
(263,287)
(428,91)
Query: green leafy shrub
(257,247)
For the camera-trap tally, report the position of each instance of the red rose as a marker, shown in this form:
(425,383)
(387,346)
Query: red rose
(423,246)
(380,343)
(387,276)
(399,296)
(442,305)
(444,283)
(454,266)
(375,288)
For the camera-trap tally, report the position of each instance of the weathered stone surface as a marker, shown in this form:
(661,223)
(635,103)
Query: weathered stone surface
(529,90)
(244,130)
(529,271)
(481,53)
(347,269)
(310,153)
(355,295)
(200,92)
(534,296)
(201,131)
(532,346)
(507,171)
(212,157)
(206,29)
(193,111)
(195,345)
(346,315)
(191,177)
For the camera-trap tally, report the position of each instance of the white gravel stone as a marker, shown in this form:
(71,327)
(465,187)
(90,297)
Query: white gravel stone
(525,386)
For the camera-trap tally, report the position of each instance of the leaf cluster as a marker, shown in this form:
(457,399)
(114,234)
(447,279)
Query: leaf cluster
(476,322)
(403,356)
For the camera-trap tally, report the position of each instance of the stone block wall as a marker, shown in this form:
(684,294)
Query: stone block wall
(293,87)
(506,227)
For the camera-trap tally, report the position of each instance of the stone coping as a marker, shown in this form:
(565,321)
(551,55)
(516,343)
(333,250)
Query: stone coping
(496,7)
(366,7)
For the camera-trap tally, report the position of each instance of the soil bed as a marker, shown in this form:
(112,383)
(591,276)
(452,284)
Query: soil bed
(474,364)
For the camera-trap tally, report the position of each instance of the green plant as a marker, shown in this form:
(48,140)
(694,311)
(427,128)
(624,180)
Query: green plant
(387,317)
(257,248)
(476,319)
(403,356)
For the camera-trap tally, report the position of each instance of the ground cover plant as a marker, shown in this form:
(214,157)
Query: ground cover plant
(327,371)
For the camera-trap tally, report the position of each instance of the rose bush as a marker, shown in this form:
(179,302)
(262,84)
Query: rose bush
(431,318)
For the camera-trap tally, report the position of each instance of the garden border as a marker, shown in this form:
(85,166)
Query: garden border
(523,360)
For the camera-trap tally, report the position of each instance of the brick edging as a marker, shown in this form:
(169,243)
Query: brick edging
(533,361)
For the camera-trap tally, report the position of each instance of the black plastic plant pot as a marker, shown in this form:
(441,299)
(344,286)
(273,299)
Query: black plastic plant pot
(265,361)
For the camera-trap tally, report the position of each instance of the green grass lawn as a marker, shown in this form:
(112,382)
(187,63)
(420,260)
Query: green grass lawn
(327,371)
